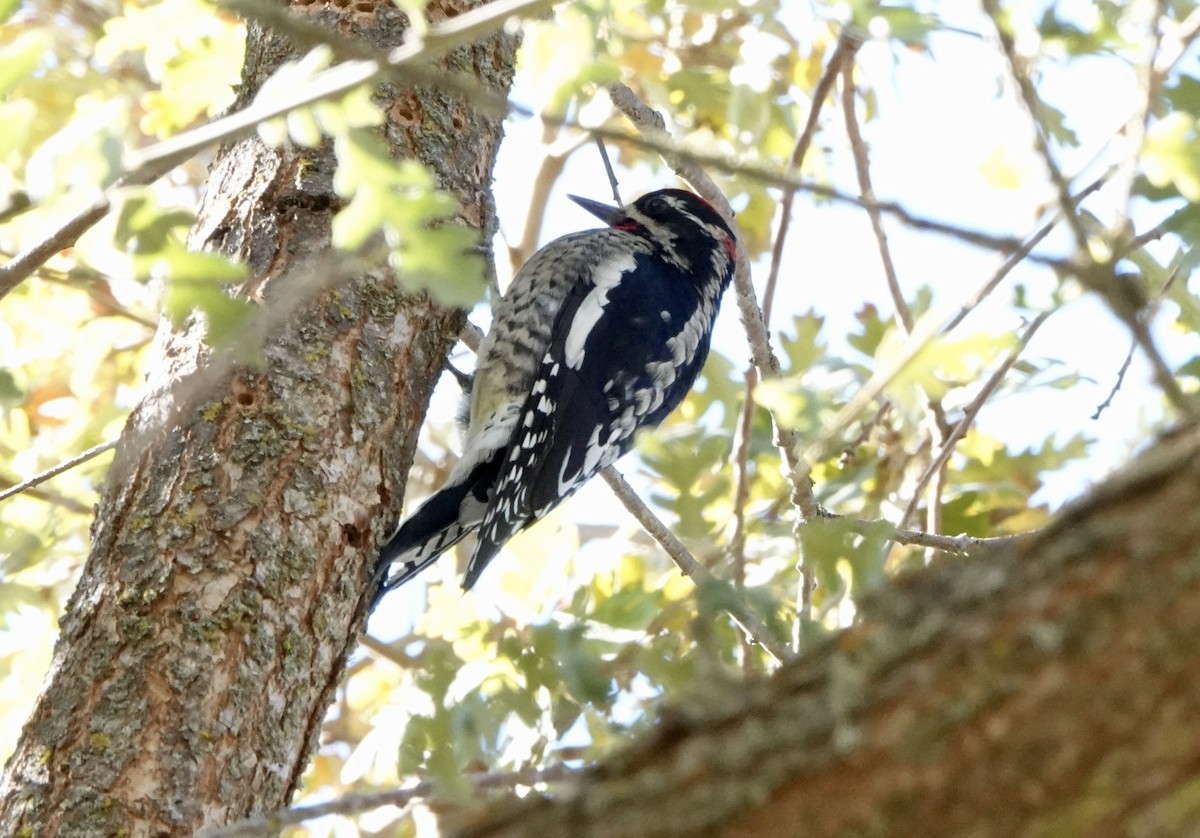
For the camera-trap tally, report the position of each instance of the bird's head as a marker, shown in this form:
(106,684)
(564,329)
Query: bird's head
(680,223)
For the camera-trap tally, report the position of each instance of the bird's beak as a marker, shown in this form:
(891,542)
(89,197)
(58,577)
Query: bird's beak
(608,214)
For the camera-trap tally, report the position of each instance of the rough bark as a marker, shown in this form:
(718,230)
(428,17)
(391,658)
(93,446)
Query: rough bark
(1051,690)
(225,584)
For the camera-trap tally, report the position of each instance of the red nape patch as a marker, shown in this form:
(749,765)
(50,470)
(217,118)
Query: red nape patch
(730,248)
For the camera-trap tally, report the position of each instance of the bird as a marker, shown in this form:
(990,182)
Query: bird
(600,334)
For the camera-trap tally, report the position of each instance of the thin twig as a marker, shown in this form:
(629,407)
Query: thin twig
(843,55)
(16,270)
(741,479)
(389,651)
(608,169)
(89,454)
(862,167)
(688,565)
(342,78)
(1142,239)
(471,336)
(1112,393)
(1120,380)
(261,826)
(59,499)
(904,317)
(741,487)
(960,429)
(1150,82)
(1164,376)
(153,162)
(962,544)
(1019,256)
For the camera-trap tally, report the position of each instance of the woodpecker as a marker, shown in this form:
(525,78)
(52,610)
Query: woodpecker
(600,334)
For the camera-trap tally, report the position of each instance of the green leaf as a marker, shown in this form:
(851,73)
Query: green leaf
(1054,122)
(1172,154)
(429,249)
(906,25)
(194,282)
(10,392)
(1190,368)
(1184,95)
(145,228)
(413,746)
(804,347)
(7,7)
(22,549)
(21,57)
(13,595)
(872,329)
(580,669)
(629,608)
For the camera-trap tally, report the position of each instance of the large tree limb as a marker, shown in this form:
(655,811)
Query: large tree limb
(1050,690)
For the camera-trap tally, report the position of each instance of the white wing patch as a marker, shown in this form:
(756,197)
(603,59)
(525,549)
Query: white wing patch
(607,276)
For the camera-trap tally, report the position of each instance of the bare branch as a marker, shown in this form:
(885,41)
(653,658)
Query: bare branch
(608,168)
(554,160)
(1150,82)
(843,55)
(1019,256)
(16,270)
(471,336)
(1125,301)
(342,78)
(89,454)
(391,652)
(961,544)
(155,161)
(863,169)
(1120,380)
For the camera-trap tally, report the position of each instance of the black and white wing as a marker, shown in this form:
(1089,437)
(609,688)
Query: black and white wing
(625,350)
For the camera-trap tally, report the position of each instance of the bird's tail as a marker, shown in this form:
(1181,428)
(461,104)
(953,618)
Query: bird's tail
(453,513)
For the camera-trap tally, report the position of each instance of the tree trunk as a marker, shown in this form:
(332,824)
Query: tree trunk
(225,585)
(1050,690)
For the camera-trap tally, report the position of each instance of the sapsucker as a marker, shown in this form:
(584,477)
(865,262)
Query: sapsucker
(601,333)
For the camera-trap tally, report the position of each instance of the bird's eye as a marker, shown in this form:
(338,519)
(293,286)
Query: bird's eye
(657,205)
